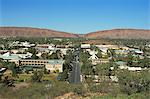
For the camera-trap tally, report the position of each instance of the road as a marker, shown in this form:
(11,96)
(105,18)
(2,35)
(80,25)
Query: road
(75,73)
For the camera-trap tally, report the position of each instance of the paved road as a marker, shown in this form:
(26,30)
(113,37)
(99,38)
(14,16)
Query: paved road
(75,73)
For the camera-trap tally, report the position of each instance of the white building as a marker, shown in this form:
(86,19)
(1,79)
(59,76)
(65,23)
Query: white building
(85,46)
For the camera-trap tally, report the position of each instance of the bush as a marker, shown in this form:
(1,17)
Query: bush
(134,82)
(104,88)
(79,89)
(37,76)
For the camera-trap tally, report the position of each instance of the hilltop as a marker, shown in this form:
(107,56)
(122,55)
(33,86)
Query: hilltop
(32,32)
(121,34)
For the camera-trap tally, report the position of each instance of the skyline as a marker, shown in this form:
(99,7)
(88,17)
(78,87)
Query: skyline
(76,16)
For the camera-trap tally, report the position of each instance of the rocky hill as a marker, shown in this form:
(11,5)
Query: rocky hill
(121,34)
(38,32)
(32,32)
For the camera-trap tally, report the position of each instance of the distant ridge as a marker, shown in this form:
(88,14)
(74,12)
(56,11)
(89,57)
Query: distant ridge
(120,34)
(32,32)
(38,32)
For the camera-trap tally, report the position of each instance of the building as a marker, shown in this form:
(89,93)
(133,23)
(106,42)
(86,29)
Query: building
(107,46)
(9,56)
(43,45)
(85,46)
(21,44)
(50,65)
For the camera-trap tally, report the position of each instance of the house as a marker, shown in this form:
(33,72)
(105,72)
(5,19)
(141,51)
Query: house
(122,65)
(85,46)
(55,65)
(136,51)
(64,50)
(2,70)
(104,48)
(104,60)
(15,57)
(122,52)
(134,68)
(93,54)
(21,44)
(42,45)
(9,56)
(3,51)
(57,39)
(108,46)
(27,44)
(61,46)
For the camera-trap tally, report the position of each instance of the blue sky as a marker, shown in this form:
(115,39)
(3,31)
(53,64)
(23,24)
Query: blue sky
(76,16)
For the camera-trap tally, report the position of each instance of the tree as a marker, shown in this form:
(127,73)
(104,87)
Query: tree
(99,54)
(12,67)
(133,82)
(59,55)
(87,68)
(53,56)
(34,56)
(103,70)
(84,56)
(63,76)
(145,62)
(111,53)
(32,50)
(8,81)
(37,76)
(130,59)
(44,55)
(66,66)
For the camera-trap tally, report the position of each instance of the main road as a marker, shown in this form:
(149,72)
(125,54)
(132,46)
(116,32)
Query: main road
(75,63)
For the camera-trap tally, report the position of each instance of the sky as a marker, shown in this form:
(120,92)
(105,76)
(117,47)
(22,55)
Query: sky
(76,16)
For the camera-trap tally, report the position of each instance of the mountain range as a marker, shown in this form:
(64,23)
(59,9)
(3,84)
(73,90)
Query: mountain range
(39,32)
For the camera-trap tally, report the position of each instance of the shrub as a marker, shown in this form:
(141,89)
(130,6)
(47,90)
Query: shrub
(37,76)
(134,82)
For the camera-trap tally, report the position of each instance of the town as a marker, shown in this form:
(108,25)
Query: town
(85,65)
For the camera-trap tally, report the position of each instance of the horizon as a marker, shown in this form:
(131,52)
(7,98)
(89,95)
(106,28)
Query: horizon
(75,16)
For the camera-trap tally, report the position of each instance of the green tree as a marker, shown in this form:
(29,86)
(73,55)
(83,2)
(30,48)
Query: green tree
(99,54)
(34,56)
(53,56)
(112,54)
(103,70)
(87,68)
(130,59)
(134,82)
(66,66)
(37,76)
(84,56)
(64,75)
(145,62)
(32,50)
(44,55)
(12,67)
(59,54)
